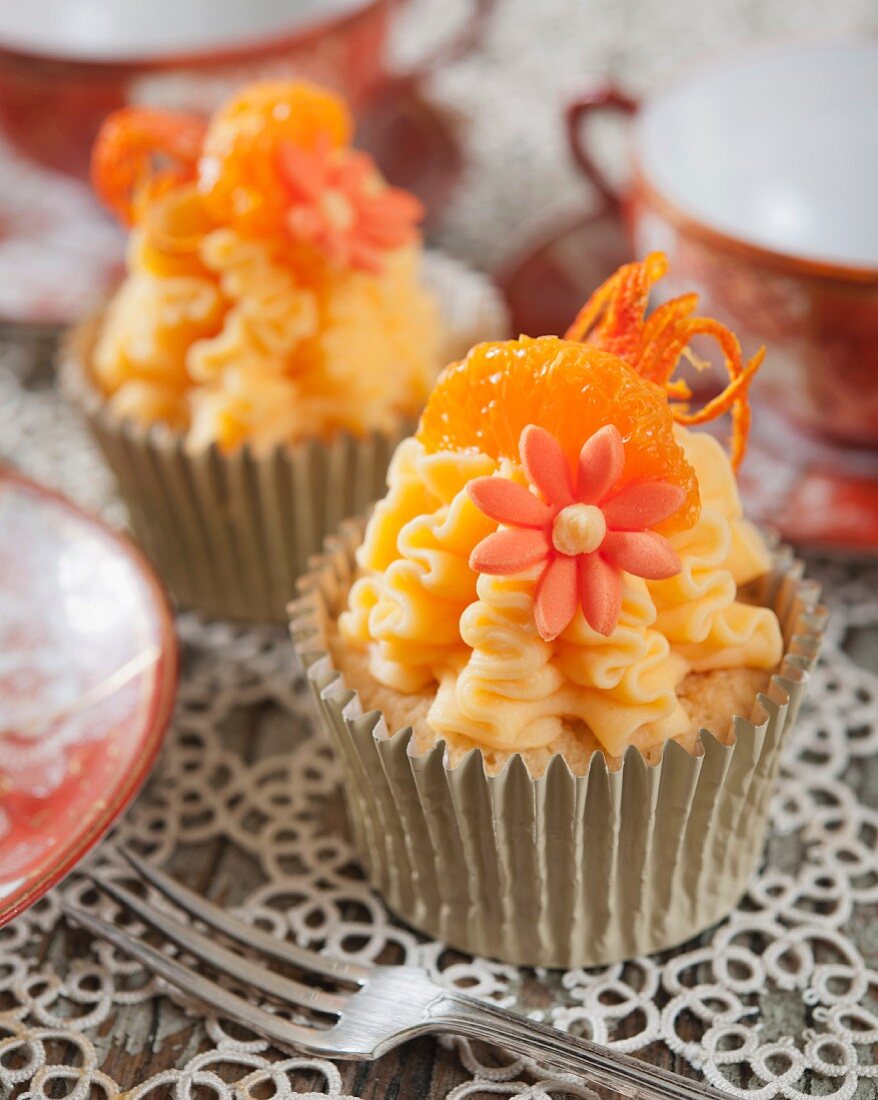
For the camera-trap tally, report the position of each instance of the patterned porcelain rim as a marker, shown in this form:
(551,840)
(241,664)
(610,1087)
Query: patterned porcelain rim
(792,264)
(286,36)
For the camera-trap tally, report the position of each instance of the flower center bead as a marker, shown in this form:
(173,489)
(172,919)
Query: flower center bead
(578,529)
(337,209)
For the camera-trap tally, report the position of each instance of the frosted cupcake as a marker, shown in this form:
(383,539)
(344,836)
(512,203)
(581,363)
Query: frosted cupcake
(572,658)
(276,333)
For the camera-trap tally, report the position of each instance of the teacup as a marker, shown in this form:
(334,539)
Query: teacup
(758,177)
(65,64)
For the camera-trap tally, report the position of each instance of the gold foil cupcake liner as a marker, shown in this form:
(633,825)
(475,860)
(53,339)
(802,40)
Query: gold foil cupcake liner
(230,533)
(563,870)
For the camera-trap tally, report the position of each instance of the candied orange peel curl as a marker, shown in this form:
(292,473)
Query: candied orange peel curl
(130,145)
(614,320)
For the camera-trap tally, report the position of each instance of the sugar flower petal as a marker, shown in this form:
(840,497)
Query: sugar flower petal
(509,551)
(600,592)
(546,466)
(601,462)
(302,170)
(555,601)
(641,506)
(507,502)
(389,216)
(643,553)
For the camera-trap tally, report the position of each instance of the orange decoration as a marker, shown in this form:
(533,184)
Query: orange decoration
(578,532)
(131,143)
(571,390)
(273,163)
(614,319)
(239,175)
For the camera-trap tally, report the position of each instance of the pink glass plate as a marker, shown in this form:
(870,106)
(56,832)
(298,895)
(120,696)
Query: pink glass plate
(88,674)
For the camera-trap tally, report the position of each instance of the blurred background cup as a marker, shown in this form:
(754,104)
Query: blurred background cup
(758,176)
(65,64)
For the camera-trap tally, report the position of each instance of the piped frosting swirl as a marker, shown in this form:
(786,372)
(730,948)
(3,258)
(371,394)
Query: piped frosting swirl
(438,604)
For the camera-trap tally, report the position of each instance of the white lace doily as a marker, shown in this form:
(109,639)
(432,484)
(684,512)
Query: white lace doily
(780,1000)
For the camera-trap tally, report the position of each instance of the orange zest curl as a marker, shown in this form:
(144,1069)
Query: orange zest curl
(131,143)
(614,320)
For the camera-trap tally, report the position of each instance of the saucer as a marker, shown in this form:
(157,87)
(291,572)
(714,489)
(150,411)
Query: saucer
(88,674)
(814,493)
(61,255)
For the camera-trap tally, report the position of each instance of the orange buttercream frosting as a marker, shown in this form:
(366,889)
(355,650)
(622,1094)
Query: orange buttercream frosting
(438,603)
(273,289)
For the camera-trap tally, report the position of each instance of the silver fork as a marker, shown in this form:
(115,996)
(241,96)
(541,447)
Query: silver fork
(372,1008)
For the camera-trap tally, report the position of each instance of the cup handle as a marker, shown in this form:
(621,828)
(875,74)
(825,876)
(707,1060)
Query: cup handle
(464,41)
(602,97)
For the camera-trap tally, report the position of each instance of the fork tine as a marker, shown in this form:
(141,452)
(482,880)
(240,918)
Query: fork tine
(259,977)
(228,1004)
(244,933)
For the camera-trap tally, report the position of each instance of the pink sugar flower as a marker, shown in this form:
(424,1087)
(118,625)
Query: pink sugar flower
(582,537)
(340,205)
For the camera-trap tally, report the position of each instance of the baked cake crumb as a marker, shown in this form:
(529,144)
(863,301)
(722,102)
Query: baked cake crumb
(709,698)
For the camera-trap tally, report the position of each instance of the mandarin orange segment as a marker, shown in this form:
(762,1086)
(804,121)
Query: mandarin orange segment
(129,148)
(238,174)
(484,402)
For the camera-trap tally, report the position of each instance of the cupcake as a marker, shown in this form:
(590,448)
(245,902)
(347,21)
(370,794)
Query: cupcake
(558,663)
(277,331)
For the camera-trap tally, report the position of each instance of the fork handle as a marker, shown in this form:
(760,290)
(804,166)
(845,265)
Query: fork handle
(560,1051)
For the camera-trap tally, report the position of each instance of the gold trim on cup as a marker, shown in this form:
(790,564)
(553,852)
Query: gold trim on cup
(645,192)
